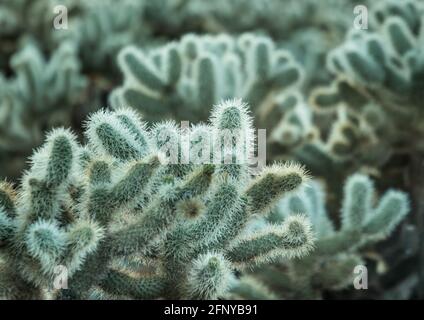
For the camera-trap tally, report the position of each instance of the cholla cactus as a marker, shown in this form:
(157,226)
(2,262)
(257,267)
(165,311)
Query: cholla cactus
(307,28)
(132,226)
(200,71)
(47,84)
(328,145)
(291,122)
(41,95)
(380,73)
(343,142)
(209,68)
(98,28)
(38,233)
(101,28)
(331,265)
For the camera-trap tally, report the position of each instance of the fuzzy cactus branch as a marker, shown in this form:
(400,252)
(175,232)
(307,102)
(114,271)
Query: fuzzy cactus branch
(137,225)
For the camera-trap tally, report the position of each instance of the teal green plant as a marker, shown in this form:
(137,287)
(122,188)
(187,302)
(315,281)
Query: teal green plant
(290,123)
(101,28)
(42,94)
(379,74)
(331,265)
(320,143)
(200,71)
(307,28)
(98,28)
(341,142)
(335,105)
(137,225)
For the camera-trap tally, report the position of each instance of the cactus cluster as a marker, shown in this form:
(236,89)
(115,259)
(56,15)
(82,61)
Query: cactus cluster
(200,71)
(98,30)
(337,251)
(134,209)
(379,74)
(40,94)
(138,225)
(307,28)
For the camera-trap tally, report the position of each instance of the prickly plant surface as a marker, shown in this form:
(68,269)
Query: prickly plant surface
(128,218)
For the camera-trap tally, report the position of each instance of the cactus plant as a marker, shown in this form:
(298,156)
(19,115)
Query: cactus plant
(203,70)
(136,224)
(101,29)
(335,99)
(331,265)
(29,101)
(379,73)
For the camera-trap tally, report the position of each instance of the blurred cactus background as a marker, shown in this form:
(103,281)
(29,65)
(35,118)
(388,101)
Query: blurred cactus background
(88,88)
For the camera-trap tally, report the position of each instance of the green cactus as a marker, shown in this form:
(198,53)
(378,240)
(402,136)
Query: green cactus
(203,70)
(331,265)
(133,210)
(126,209)
(379,74)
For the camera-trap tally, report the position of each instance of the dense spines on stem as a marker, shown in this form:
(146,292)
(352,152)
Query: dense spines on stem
(292,239)
(93,208)
(358,199)
(272,184)
(393,207)
(121,136)
(209,277)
